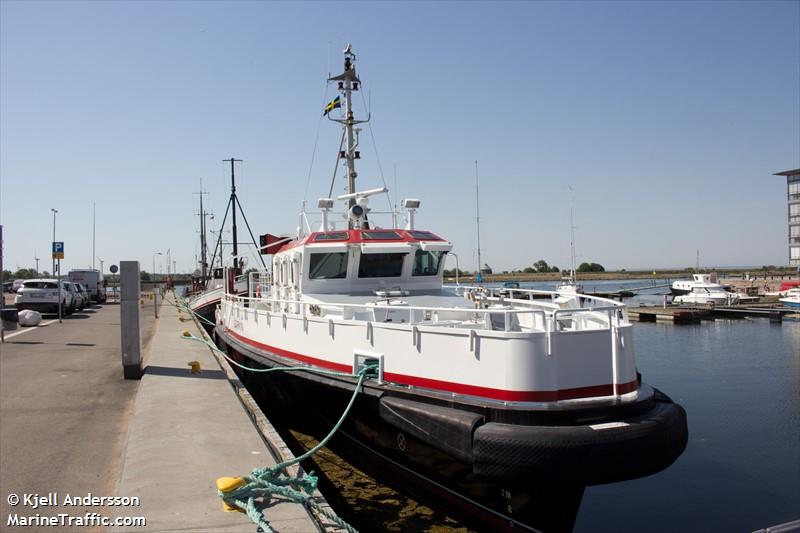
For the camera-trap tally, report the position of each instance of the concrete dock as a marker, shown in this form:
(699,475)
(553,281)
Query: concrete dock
(186,431)
(71,425)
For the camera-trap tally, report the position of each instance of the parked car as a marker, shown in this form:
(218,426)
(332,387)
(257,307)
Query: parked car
(8,286)
(76,298)
(17,285)
(92,280)
(86,300)
(42,295)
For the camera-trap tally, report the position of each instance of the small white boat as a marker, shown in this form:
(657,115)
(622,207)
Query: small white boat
(685,286)
(707,294)
(792,298)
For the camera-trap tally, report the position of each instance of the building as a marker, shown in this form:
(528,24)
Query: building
(793,197)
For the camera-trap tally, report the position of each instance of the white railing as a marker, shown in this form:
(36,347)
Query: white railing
(534,316)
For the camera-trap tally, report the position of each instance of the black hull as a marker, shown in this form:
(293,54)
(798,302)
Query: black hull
(207,313)
(502,469)
(679,292)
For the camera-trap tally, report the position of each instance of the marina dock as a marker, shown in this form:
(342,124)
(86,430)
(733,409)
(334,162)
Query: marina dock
(73,426)
(693,315)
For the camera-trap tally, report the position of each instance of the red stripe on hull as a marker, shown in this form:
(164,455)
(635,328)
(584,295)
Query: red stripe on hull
(457,388)
(291,355)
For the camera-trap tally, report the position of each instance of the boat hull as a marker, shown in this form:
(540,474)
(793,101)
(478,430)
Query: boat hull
(498,462)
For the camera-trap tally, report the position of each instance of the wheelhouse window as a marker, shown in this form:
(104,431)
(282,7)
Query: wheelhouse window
(380,265)
(427,263)
(423,235)
(332,236)
(369,235)
(328,266)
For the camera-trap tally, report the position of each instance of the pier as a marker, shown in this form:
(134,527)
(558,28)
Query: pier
(72,425)
(693,315)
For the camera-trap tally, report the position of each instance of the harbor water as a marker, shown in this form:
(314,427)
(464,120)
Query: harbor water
(739,381)
(740,384)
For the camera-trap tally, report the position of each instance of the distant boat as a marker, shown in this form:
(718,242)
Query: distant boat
(708,294)
(792,298)
(683,286)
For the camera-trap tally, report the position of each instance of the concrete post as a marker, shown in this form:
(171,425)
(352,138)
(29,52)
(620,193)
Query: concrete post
(130,292)
(155,301)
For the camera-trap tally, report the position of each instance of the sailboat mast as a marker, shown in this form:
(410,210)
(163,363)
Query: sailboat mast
(478,218)
(572,273)
(203,241)
(233,206)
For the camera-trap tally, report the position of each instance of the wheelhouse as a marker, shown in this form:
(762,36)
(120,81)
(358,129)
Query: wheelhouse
(361,261)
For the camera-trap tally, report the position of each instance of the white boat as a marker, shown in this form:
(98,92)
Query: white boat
(683,286)
(702,294)
(792,298)
(509,406)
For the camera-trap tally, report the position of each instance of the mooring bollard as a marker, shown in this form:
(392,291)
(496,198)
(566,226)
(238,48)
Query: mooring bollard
(130,290)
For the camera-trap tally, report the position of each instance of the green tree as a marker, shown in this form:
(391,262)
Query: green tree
(554,269)
(541,266)
(591,267)
(25,273)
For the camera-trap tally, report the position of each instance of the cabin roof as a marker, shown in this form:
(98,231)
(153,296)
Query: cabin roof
(358,236)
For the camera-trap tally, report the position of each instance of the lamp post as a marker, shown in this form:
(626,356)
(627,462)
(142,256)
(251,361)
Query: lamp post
(54,238)
(154,264)
(101,266)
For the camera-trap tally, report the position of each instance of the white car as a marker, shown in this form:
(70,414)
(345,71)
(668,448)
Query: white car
(85,298)
(42,295)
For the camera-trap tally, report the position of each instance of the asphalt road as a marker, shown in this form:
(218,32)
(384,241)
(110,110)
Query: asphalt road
(64,410)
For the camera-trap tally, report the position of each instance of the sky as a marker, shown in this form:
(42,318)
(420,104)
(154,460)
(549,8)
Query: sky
(667,119)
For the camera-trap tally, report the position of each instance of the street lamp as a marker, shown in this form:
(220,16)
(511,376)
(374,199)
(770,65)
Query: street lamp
(154,264)
(101,265)
(54,237)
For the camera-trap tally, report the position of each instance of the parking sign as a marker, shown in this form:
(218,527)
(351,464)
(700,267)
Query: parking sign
(58,250)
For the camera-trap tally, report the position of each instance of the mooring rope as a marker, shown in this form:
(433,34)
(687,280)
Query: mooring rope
(240,493)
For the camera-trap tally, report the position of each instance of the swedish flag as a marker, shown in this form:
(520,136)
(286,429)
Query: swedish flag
(333,104)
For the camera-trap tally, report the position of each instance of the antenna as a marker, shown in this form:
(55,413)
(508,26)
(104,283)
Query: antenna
(479,277)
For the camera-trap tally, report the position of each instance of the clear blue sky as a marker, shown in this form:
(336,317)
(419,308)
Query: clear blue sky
(667,118)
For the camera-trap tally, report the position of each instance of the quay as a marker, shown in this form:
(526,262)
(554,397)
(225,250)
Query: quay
(695,314)
(71,425)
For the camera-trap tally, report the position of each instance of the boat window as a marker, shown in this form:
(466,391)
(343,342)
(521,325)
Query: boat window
(387,235)
(423,235)
(328,266)
(332,236)
(426,263)
(380,265)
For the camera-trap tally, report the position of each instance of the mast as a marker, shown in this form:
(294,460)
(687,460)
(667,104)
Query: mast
(572,272)
(203,242)
(479,277)
(348,82)
(233,203)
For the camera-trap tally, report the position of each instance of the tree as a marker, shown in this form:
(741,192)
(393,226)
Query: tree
(528,270)
(144,276)
(554,269)
(25,273)
(541,266)
(591,267)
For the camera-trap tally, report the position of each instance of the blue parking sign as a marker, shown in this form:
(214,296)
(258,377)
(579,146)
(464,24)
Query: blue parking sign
(58,250)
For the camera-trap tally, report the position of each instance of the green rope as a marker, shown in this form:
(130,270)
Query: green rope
(263,483)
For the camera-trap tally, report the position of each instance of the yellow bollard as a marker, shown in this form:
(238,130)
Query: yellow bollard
(195,366)
(186,333)
(228,484)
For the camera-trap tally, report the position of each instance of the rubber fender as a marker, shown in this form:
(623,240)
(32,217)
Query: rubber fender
(588,454)
(449,430)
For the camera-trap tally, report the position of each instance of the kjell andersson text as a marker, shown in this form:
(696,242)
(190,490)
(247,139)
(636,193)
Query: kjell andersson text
(51,499)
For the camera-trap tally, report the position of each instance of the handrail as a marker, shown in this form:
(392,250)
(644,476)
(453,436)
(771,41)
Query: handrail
(492,290)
